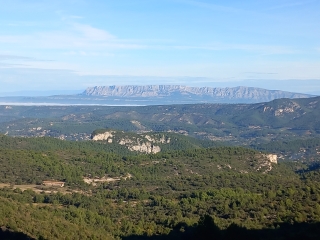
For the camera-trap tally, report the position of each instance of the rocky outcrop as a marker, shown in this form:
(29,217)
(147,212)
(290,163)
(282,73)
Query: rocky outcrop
(146,91)
(286,109)
(146,147)
(145,143)
(272,158)
(103,136)
(265,162)
(160,140)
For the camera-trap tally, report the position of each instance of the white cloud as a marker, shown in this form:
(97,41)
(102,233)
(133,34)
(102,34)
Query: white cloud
(93,34)
(220,71)
(75,36)
(70,17)
(262,49)
(224,8)
(5,57)
(289,5)
(10,59)
(211,6)
(10,39)
(91,53)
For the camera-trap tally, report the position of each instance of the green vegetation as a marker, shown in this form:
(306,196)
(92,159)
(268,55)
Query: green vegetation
(170,195)
(239,124)
(192,189)
(295,146)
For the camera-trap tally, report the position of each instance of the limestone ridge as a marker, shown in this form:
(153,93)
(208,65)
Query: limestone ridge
(143,143)
(147,91)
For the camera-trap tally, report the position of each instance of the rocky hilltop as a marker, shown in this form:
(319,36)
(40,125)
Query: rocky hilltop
(205,93)
(134,142)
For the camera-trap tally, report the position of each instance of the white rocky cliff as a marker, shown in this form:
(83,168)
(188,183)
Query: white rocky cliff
(183,91)
(139,142)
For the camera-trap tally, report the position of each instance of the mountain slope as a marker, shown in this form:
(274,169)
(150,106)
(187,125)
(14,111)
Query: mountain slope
(204,94)
(281,119)
(149,142)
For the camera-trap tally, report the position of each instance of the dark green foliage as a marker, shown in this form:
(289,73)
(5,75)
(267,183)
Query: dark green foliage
(47,222)
(299,149)
(209,193)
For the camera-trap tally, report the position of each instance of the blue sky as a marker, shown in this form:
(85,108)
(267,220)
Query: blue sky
(71,45)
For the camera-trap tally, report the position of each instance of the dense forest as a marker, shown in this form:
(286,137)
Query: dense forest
(194,193)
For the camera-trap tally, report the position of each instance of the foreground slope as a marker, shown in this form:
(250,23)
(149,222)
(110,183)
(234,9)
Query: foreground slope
(170,194)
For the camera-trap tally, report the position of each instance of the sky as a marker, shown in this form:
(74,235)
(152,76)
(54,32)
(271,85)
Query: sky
(70,45)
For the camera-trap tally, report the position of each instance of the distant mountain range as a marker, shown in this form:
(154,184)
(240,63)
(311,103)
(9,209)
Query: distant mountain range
(196,94)
(155,95)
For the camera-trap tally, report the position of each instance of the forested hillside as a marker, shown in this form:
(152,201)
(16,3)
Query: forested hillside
(182,194)
(161,172)
(297,150)
(239,124)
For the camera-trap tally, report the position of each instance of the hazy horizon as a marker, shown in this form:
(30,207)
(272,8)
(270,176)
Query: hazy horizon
(297,87)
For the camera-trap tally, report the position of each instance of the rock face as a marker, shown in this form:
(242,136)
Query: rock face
(178,91)
(265,162)
(272,158)
(145,147)
(140,144)
(134,142)
(103,136)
